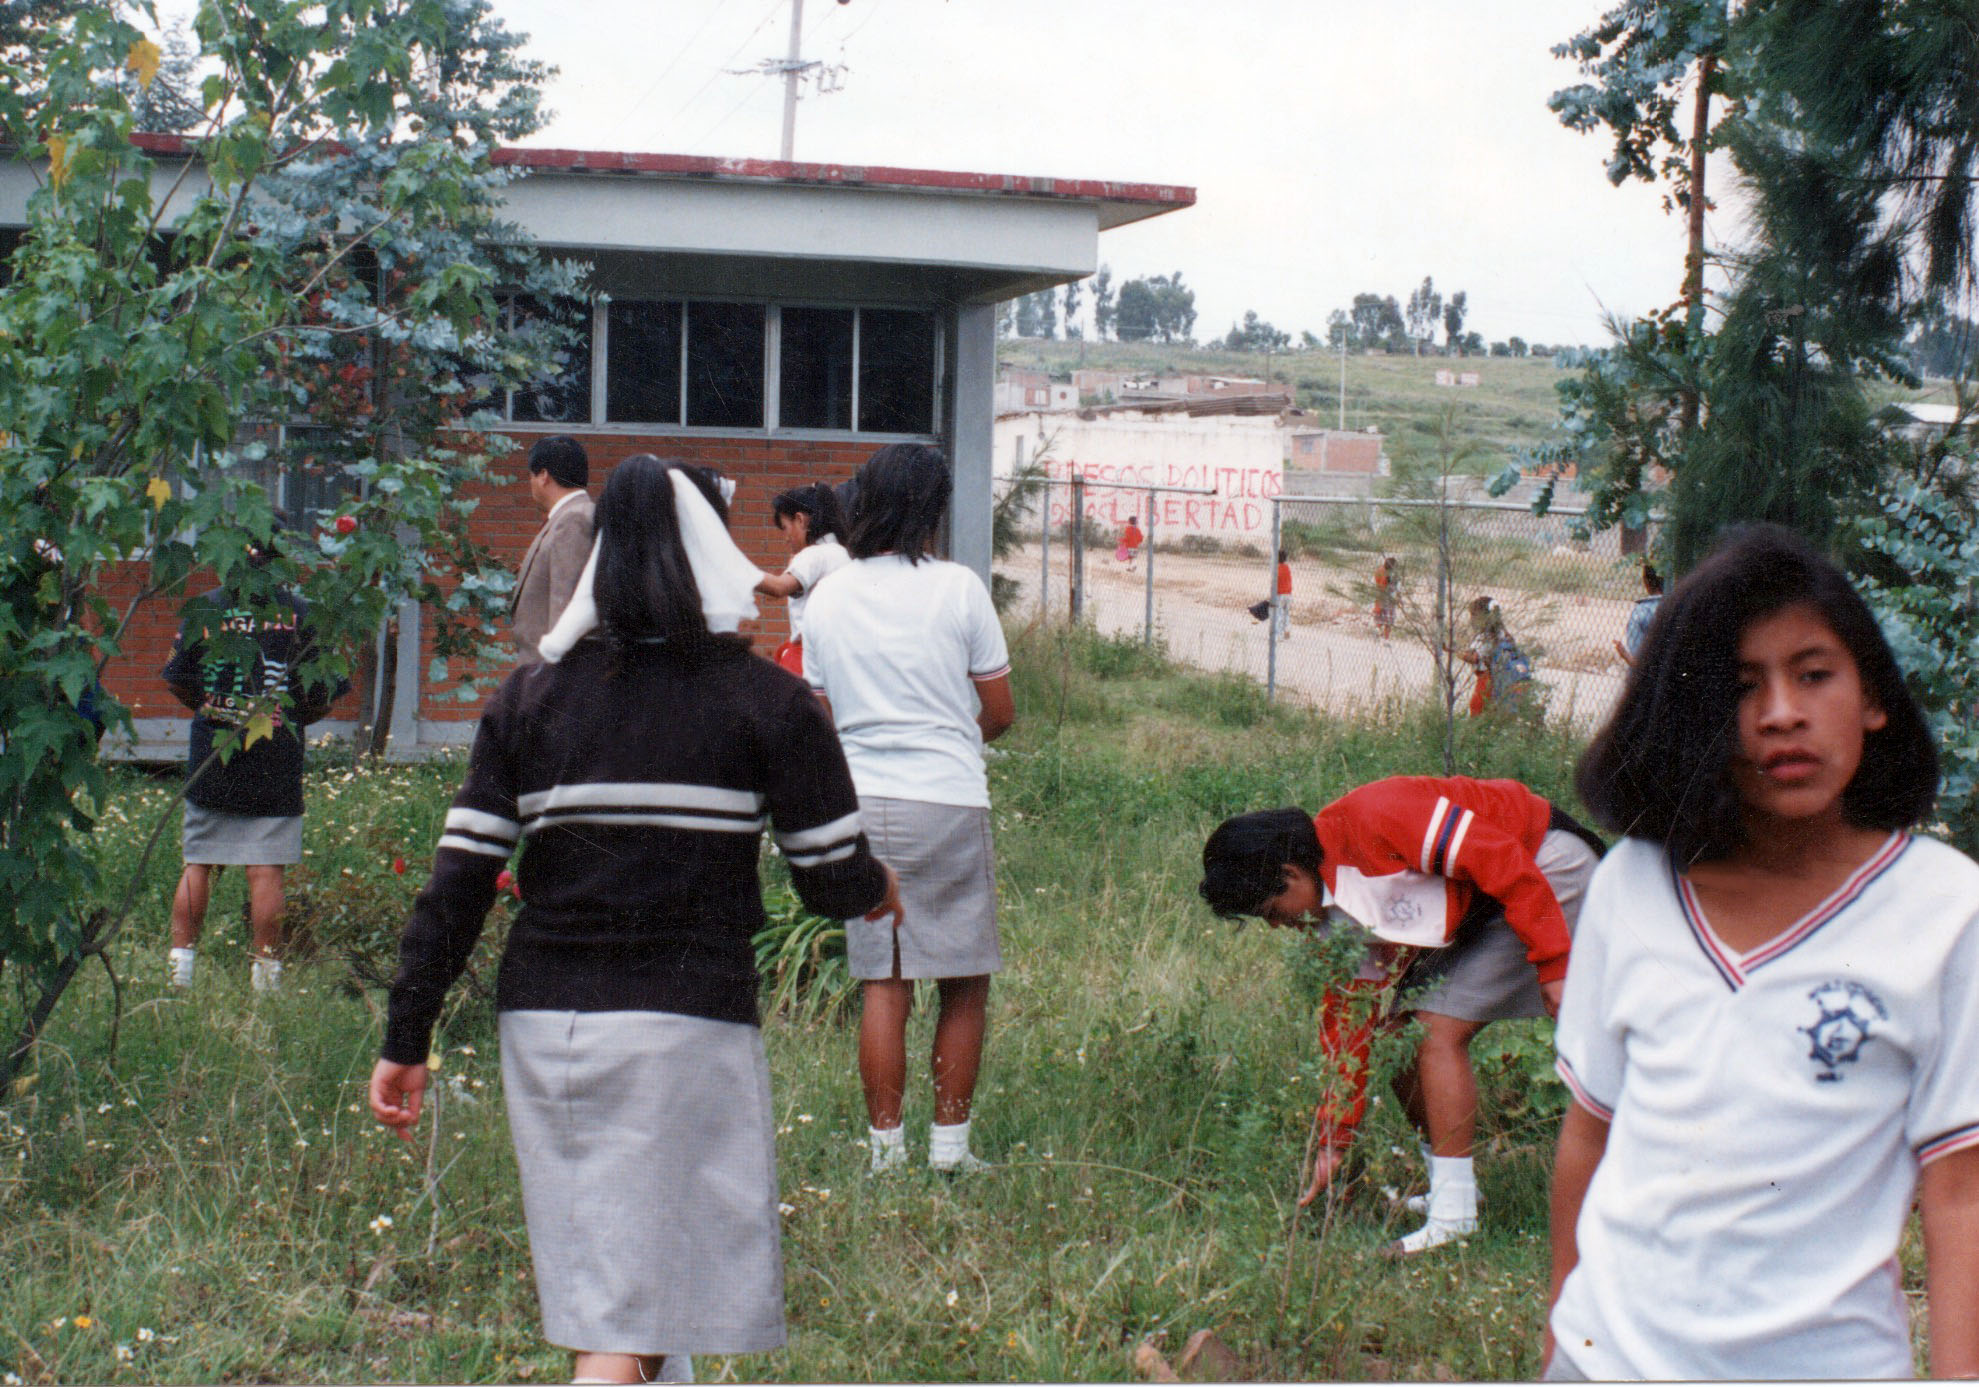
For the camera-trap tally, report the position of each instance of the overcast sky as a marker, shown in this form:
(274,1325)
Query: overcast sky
(1335,146)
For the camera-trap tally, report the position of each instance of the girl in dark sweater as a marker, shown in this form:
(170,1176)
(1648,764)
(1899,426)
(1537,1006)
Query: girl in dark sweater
(638,772)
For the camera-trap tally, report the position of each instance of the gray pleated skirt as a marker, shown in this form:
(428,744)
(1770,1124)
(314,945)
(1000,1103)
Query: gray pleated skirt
(945,860)
(648,1158)
(1488,977)
(212,838)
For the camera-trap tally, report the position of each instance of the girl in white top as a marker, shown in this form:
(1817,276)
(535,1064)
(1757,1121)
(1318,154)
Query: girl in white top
(813,525)
(1771,1021)
(908,651)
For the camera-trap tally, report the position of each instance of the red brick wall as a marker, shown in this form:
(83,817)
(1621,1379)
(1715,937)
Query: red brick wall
(506,520)
(147,644)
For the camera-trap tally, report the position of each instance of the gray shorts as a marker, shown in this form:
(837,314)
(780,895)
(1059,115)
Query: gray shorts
(213,838)
(944,858)
(648,1157)
(1487,977)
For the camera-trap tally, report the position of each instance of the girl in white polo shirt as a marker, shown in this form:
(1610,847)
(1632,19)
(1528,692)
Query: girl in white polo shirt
(1771,1021)
(908,651)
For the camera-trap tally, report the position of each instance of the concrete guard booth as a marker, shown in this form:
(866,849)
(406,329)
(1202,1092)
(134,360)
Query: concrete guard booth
(778,321)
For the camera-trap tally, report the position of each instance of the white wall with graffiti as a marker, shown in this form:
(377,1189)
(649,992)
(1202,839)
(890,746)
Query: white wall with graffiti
(1242,456)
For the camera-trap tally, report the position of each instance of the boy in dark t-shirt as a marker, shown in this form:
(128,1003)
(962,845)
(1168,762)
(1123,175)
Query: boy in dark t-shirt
(245,809)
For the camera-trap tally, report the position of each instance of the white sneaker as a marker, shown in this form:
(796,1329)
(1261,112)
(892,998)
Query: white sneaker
(1434,1233)
(968,1163)
(267,975)
(1419,1204)
(181,962)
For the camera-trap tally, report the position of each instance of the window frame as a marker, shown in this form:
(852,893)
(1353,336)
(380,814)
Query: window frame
(772,426)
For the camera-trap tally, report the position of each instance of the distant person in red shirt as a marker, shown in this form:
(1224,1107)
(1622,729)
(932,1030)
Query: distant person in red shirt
(1281,624)
(1466,892)
(1131,540)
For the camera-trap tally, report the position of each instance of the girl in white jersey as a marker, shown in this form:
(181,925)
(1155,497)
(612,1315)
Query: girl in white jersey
(1771,1021)
(908,651)
(813,525)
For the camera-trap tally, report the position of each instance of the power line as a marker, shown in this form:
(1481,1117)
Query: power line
(720,68)
(872,9)
(678,54)
(752,94)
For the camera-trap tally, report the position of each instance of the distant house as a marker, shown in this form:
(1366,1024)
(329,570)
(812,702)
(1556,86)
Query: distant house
(1017,391)
(776,320)
(1335,452)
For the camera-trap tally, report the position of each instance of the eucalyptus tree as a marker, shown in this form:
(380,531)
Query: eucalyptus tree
(322,256)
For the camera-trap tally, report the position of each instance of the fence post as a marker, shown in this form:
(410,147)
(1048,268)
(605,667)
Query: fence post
(1271,602)
(1147,618)
(1078,542)
(1044,561)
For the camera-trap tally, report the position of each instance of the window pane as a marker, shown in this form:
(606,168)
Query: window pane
(315,483)
(725,365)
(642,363)
(816,387)
(896,371)
(563,397)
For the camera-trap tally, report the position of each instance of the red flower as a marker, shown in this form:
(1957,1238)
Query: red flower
(507,882)
(346,523)
(398,866)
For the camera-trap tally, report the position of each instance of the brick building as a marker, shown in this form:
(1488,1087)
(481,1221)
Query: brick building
(777,321)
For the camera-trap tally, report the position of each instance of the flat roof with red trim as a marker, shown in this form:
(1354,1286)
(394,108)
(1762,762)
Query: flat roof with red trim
(1120,203)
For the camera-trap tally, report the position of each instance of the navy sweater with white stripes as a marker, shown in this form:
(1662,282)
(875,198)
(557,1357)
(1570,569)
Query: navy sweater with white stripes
(639,788)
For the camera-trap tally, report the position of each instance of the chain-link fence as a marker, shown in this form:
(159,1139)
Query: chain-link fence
(1074,550)
(1385,595)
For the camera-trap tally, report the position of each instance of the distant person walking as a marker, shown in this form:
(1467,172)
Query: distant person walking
(244,810)
(558,473)
(1640,615)
(814,527)
(1384,597)
(1131,540)
(907,650)
(1281,608)
(638,769)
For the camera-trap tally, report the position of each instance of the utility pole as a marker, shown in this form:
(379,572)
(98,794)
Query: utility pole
(793,69)
(1343,382)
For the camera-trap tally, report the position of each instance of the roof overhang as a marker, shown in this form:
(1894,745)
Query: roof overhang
(983,236)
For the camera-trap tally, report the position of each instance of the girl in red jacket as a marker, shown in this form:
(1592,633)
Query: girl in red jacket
(1467,890)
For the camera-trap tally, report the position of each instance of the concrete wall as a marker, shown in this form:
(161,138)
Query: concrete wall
(1241,455)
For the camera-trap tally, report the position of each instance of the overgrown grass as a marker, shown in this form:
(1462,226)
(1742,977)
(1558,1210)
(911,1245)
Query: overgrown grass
(1146,1103)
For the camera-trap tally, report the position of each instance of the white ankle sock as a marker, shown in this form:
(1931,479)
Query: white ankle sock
(182,961)
(889,1146)
(948,1148)
(1452,1188)
(267,975)
(1452,1205)
(948,1142)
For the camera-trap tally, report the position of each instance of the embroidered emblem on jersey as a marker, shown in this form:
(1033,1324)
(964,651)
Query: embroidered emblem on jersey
(1402,907)
(1848,1013)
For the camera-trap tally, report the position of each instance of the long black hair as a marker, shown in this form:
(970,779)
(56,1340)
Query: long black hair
(1662,766)
(818,504)
(644,586)
(902,500)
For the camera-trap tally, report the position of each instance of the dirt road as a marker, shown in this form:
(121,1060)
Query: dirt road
(1333,658)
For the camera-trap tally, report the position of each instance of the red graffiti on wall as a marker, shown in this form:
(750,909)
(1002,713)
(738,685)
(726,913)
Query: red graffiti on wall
(1111,498)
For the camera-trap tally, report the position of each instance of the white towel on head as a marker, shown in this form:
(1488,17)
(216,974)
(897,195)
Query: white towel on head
(722,572)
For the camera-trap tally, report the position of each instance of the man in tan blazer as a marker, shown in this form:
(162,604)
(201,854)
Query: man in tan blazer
(558,474)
